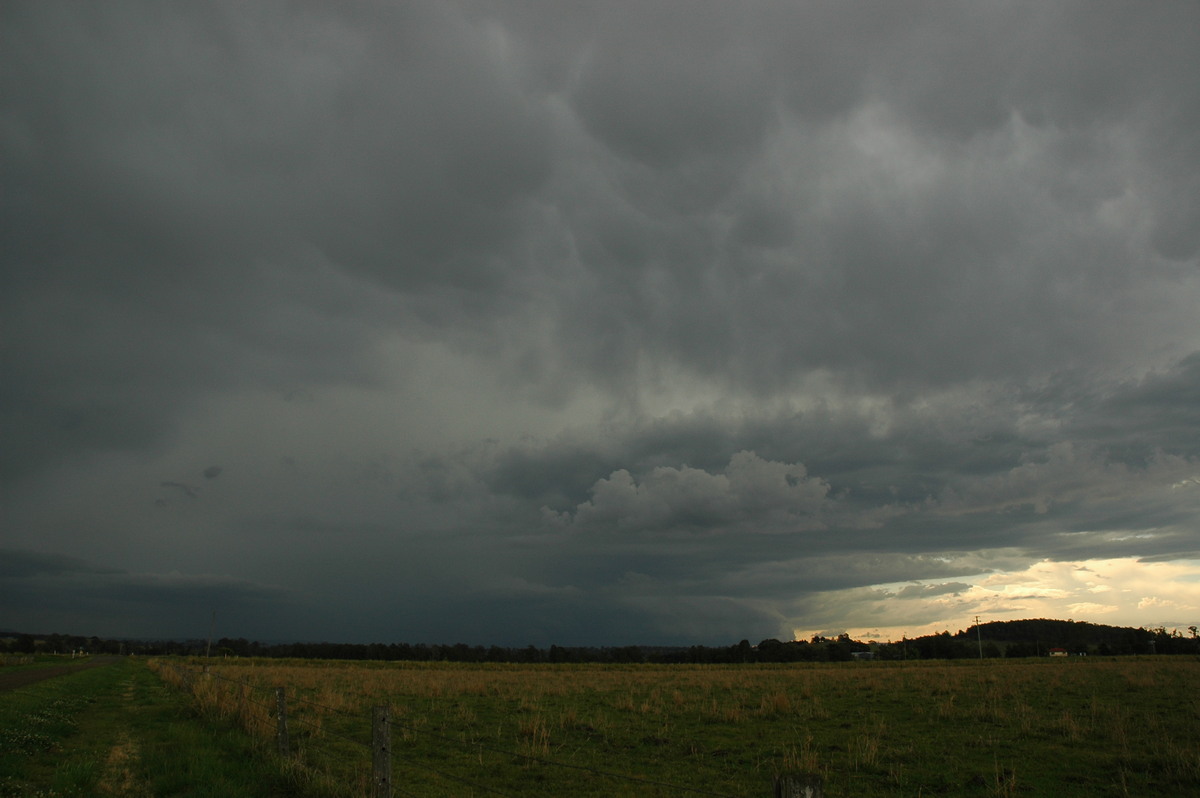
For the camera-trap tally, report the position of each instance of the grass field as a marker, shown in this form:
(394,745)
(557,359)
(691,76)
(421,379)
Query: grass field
(118,730)
(1049,727)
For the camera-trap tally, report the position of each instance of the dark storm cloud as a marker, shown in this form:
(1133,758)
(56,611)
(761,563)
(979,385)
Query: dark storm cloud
(177,589)
(924,591)
(16,563)
(82,576)
(1160,411)
(656,316)
(201,149)
(653,100)
(187,490)
(930,482)
(951,196)
(56,592)
(194,193)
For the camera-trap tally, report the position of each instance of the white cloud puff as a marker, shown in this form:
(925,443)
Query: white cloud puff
(752,494)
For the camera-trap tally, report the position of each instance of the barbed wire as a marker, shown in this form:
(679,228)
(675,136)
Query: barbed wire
(267,707)
(543,761)
(451,777)
(326,731)
(334,710)
(294,697)
(271,708)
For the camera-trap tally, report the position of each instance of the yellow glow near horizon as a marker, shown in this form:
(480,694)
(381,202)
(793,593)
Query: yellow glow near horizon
(1116,592)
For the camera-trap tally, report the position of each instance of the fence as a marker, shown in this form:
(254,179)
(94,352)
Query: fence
(382,782)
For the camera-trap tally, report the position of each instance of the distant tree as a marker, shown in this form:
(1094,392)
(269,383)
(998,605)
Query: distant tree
(1017,650)
(628,654)
(837,651)
(236,647)
(57,644)
(771,650)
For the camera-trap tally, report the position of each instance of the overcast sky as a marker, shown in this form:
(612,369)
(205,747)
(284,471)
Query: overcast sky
(608,323)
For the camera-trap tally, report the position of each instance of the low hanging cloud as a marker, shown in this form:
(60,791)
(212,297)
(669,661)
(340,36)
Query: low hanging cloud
(62,593)
(22,563)
(928,591)
(191,491)
(1069,473)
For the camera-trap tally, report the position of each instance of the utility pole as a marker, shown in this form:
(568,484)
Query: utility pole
(979,636)
(211,629)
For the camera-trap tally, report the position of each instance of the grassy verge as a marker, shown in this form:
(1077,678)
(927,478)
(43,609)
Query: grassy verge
(117,730)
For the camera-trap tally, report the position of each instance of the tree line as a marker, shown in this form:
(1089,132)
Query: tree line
(1025,638)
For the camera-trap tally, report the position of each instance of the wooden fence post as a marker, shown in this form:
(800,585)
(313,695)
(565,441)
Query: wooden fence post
(281,732)
(798,785)
(381,752)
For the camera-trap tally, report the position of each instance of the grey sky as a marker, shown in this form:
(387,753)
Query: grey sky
(597,323)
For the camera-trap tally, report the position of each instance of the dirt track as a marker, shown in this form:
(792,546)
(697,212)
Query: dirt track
(15,679)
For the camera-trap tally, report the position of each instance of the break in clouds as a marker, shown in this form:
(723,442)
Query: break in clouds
(598,323)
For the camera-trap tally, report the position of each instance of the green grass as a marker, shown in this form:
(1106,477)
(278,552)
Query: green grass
(117,730)
(1111,727)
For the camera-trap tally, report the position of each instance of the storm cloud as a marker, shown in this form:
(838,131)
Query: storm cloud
(597,323)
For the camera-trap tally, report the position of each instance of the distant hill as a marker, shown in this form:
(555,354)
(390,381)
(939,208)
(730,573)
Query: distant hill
(1057,633)
(1036,636)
